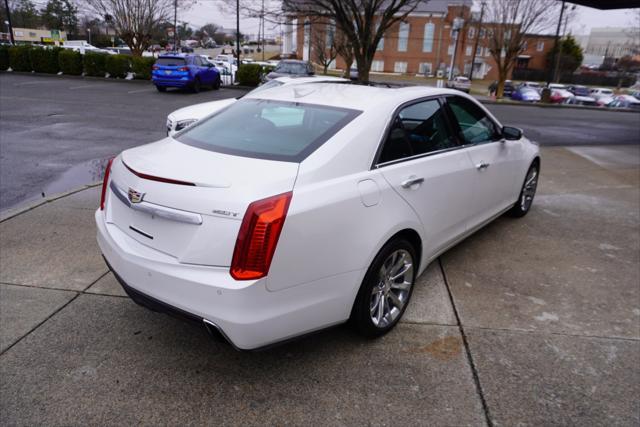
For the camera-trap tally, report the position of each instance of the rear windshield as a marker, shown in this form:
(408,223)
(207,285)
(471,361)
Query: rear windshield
(291,68)
(264,129)
(170,61)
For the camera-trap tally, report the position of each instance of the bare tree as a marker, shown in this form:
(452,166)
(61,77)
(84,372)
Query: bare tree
(324,46)
(508,22)
(134,20)
(363,22)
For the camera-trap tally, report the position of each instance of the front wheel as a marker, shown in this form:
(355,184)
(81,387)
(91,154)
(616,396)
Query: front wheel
(195,87)
(161,88)
(216,84)
(386,289)
(528,192)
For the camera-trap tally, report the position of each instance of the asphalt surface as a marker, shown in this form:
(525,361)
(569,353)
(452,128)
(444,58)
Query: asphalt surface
(532,321)
(56,132)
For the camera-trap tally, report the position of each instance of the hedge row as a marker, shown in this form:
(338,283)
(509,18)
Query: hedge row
(27,58)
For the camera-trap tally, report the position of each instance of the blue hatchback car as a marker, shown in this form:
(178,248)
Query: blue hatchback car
(184,71)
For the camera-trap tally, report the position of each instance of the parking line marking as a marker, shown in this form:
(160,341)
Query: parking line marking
(32,83)
(141,90)
(85,86)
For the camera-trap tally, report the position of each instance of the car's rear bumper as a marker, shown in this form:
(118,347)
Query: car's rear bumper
(172,82)
(246,313)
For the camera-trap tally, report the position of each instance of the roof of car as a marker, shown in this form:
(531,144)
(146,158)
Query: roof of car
(359,97)
(173,55)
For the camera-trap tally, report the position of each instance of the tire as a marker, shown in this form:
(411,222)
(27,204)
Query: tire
(365,315)
(161,88)
(527,193)
(216,85)
(195,87)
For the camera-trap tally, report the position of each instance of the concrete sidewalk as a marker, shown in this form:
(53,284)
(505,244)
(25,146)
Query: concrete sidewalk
(533,321)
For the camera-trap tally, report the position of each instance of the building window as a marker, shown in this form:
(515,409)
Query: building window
(472,32)
(451,48)
(381,42)
(427,42)
(468,50)
(482,33)
(524,45)
(400,67)
(403,37)
(540,46)
(331,28)
(377,66)
(425,68)
(487,51)
(479,51)
(507,34)
(294,38)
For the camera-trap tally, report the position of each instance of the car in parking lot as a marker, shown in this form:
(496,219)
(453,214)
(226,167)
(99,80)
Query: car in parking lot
(186,116)
(581,95)
(460,83)
(508,90)
(526,94)
(291,67)
(625,101)
(600,94)
(304,206)
(184,71)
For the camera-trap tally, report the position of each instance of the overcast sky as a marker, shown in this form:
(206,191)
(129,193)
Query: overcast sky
(204,11)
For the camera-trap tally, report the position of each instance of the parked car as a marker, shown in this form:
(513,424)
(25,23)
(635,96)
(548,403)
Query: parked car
(460,83)
(507,91)
(625,101)
(532,85)
(604,101)
(600,92)
(184,71)
(186,116)
(581,95)
(296,209)
(186,49)
(526,93)
(560,96)
(291,67)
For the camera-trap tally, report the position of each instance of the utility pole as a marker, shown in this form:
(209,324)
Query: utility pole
(261,41)
(175,25)
(237,37)
(458,23)
(475,45)
(6,4)
(556,48)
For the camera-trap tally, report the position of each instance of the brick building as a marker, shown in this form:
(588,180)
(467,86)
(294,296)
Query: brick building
(424,43)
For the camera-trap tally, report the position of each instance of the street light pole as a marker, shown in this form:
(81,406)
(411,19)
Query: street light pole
(89,34)
(175,25)
(6,5)
(556,48)
(237,36)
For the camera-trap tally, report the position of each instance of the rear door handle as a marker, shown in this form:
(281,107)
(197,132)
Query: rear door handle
(482,166)
(411,181)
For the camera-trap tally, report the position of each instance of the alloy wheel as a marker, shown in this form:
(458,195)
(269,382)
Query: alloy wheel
(529,189)
(390,295)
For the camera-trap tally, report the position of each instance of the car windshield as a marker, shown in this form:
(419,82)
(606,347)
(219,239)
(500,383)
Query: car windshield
(581,91)
(291,68)
(272,130)
(170,62)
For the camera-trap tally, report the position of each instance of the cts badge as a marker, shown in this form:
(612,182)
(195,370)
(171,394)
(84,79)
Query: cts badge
(134,196)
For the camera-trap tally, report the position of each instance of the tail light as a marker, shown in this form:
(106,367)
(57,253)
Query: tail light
(105,183)
(183,69)
(258,237)
(155,67)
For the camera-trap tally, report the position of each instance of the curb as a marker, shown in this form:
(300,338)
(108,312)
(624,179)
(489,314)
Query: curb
(12,213)
(106,79)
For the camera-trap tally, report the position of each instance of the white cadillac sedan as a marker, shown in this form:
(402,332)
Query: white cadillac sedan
(305,206)
(183,117)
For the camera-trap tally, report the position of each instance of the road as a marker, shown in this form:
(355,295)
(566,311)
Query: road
(56,132)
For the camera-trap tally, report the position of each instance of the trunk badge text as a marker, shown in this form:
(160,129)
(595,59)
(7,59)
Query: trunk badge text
(134,196)
(225,213)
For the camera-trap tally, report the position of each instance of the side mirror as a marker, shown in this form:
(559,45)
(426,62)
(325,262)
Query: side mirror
(511,134)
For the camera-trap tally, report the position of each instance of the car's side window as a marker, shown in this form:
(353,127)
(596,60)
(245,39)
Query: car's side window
(417,129)
(475,126)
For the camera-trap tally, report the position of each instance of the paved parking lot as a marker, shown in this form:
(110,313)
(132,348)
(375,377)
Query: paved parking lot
(529,322)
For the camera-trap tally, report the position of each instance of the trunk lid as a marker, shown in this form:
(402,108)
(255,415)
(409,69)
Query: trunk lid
(188,202)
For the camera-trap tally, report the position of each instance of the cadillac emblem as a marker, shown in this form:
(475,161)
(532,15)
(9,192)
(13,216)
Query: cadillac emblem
(134,196)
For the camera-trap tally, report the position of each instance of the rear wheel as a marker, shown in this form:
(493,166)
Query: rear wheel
(528,192)
(386,289)
(216,84)
(195,87)
(161,88)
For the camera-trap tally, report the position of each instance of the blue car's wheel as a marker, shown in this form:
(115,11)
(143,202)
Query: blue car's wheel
(161,88)
(216,85)
(195,87)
